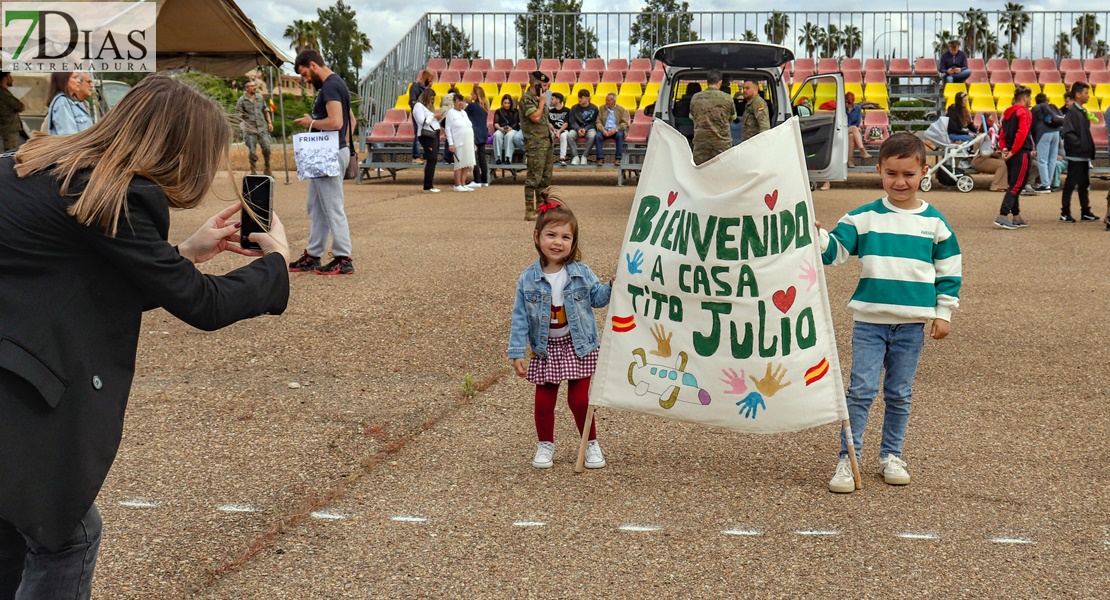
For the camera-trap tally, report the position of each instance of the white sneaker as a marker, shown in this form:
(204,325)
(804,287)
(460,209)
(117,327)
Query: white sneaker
(894,470)
(460,188)
(842,481)
(485,185)
(473,184)
(594,458)
(578,160)
(431,191)
(467,188)
(544,452)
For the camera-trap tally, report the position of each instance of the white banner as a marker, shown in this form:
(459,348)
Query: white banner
(720,314)
(316,154)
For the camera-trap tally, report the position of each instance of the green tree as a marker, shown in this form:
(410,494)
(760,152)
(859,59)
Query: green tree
(988,45)
(447,41)
(555,29)
(851,40)
(809,38)
(302,35)
(1062,48)
(1013,24)
(1085,31)
(940,42)
(830,40)
(662,22)
(749,36)
(360,45)
(343,42)
(777,27)
(1100,49)
(972,28)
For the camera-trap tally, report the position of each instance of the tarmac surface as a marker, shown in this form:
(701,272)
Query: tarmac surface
(337,451)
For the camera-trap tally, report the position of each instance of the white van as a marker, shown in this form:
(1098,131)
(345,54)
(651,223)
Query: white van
(824,132)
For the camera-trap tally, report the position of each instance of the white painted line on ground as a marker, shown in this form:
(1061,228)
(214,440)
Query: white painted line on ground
(409,519)
(639,528)
(1012,541)
(237,508)
(918,536)
(323,514)
(741,532)
(529,524)
(140,503)
(817,532)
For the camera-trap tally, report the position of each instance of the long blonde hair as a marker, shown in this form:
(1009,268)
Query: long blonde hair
(162,130)
(480,94)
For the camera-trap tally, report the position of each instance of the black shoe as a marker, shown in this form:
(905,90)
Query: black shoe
(340,265)
(497,161)
(1088,217)
(1043,189)
(1066,219)
(305,263)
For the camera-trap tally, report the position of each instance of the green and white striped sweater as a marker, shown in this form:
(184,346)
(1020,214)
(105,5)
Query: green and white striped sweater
(911,262)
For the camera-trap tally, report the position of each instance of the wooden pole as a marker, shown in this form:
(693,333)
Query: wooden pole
(847,427)
(579,464)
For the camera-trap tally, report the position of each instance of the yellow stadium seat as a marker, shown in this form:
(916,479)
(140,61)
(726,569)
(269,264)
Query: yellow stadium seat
(628,102)
(605,88)
(856,89)
(982,104)
(646,100)
(1092,106)
(1054,89)
(977,90)
(1102,91)
(440,88)
(491,93)
(877,93)
(1056,100)
(950,91)
(1004,90)
(465,88)
(589,87)
(403,102)
(652,89)
(562,88)
(1034,89)
(631,89)
(798,90)
(825,93)
(598,100)
(512,89)
(1004,103)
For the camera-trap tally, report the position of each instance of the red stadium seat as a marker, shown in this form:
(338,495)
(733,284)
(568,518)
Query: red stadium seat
(595,64)
(473,76)
(382,132)
(875,118)
(852,76)
(1024,77)
(618,64)
(437,64)
(482,64)
(657,76)
(1094,65)
(1000,76)
(874,64)
(977,77)
(997,64)
(1048,64)
(572,64)
(525,64)
(925,67)
(851,64)
(1021,64)
(1073,76)
(640,77)
(1052,76)
(976,64)
(638,132)
(640,64)
(550,65)
(640,115)
(520,77)
(504,64)
(395,116)
(589,76)
(801,75)
(827,65)
(490,116)
(1099,77)
(495,76)
(566,77)
(612,77)
(459,64)
(804,64)
(874,76)
(1098,132)
(899,66)
(405,131)
(450,77)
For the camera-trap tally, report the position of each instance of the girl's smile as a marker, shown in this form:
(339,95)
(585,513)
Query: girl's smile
(555,242)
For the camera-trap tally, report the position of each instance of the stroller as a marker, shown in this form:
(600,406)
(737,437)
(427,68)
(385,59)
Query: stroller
(949,170)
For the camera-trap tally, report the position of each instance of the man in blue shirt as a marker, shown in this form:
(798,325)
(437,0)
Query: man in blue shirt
(953,64)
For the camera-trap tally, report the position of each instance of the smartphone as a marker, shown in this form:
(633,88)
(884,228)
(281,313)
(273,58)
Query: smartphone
(258,194)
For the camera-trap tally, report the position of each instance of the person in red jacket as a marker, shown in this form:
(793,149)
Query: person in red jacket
(1016,143)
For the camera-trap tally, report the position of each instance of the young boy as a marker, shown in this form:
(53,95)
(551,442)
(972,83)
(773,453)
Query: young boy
(558,115)
(911,274)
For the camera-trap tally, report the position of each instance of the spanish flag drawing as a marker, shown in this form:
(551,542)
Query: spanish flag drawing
(816,372)
(623,324)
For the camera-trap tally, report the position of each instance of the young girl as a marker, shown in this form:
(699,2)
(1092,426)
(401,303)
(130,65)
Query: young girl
(553,314)
(460,141)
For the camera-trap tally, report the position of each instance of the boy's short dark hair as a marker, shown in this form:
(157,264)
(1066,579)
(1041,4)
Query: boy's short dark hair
(713,77)
(307,56)
(1069,96)
(902,145)
(1040,98)
(583,92)
(1078,88)
(557,96)
(1020,92)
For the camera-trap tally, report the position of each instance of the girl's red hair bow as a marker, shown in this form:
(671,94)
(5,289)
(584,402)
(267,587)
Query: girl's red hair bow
(546,206)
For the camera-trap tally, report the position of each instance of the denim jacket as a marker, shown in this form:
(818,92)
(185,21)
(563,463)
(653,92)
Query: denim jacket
(532,310)
(67,116)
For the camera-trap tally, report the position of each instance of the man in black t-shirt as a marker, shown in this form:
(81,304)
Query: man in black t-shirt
(558,114)
(326,218)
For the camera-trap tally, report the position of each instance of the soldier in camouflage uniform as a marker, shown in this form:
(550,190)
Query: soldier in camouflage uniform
(539,151)
(756,117)
(711,110)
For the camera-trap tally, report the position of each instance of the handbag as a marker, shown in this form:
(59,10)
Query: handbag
(352,164)
(316,154)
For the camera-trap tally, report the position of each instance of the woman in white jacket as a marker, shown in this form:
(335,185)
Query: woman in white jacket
(428,134)
(460,141)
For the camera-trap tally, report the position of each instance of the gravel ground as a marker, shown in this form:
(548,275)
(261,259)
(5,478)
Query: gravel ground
(352,404)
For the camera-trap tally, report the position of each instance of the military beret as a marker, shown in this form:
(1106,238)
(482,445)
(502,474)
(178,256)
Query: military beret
(540,76)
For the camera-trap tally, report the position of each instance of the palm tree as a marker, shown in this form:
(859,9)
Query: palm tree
(972,28)
(1062,48)
(1100,49)
(851,40)
(988,45)
(302,35)
(360,44)
(810,34)
(1014,23)
(830,40)
(940,44)
(777,27)
(1085,31)
(749,36)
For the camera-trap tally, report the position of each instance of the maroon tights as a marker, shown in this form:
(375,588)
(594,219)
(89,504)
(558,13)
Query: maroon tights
(577,398)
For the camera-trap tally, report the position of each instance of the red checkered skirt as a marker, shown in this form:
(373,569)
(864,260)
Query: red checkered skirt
(561,364)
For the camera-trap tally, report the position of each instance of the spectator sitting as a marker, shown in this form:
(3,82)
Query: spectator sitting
(506,134)
(953,64)
(583,123)
(612,123)
(559,116)
(960,127)
(855,122)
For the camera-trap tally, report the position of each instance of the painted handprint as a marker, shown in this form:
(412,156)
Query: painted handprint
(771,382)
(751,403)
(662,341)
(634,263)
(808,274)
(739,386)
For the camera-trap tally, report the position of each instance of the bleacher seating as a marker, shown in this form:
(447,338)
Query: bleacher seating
(874,64)
(976,64)
(482,65)
(504,64)
(450,77)
(827,65)
(1066,64)
(978,77)
(496,77)
(900,66)
(1094,65)
(925,67)
(998,64)
(437,64)
(568,77)
(595,64)
(1045,77)
(589,76)
(1001,76)
(804,64)
(851,64)
(525,64)
(382,133)
(619,65)
(612,77)
(853,77)
(473,76)
(518,76)
(640,64)
(550,65)
(1021,64)
(459,64)
(1073,76)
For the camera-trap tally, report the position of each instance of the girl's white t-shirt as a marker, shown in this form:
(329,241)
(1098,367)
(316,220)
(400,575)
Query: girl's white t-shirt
(558,325)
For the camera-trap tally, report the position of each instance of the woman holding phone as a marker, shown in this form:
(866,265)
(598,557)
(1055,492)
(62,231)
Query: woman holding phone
(84,253)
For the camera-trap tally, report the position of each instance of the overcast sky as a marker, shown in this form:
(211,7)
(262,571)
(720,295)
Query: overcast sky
(386,22)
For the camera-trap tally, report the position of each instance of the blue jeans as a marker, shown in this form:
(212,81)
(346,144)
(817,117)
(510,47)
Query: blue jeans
(874,346)
(1048,149)
(29,571)
(504,143)
(599,142)
(958,77)
(960,137)
(736,129)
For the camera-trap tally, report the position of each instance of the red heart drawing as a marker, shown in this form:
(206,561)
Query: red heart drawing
(672,198)
(771,199)
(784,299)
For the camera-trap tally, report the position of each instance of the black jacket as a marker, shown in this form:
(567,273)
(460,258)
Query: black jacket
(1078,142)
(1046,117)
(71,303)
